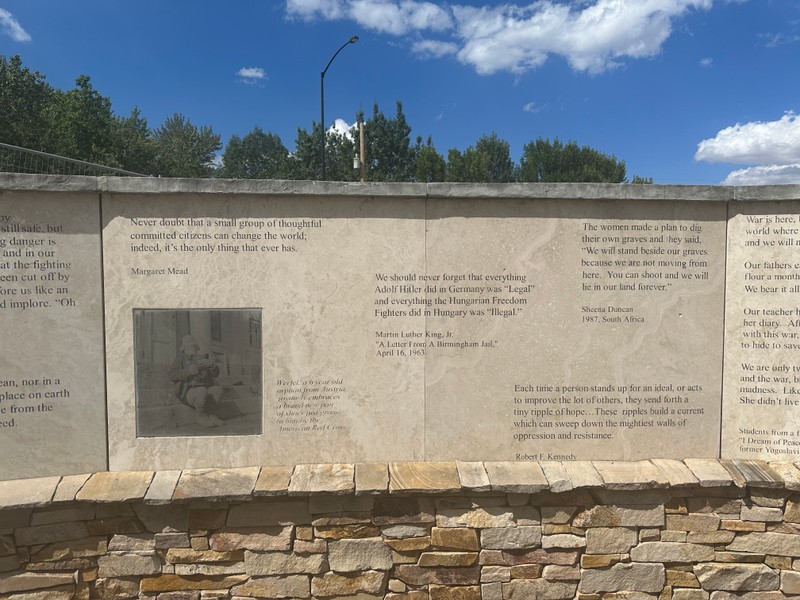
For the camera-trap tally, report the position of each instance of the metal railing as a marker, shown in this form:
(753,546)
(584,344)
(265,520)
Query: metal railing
(14,159)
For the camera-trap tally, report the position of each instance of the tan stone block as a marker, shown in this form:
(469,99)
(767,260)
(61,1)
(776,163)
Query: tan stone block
(199,543)
(350,518)
(171,540)
(561,573)
(334,584)
(710,537)
(416,576)
(491,591)
(261,539)
(132,543)
(187,555)
(409,544)
(448,559)
(671,552)
(126,565)
(735,525)
(169,583)
(477,518)
(513,538)
(336,478)
(538,589)
(397,586)
(409,595)
(630,475)
(290,586)
(313,547)
(23,582)
(116,588)
(550,529)
(206,569)
(217,485)
(790,583)
(792,512)
(273,481)
(600,561)
(770,498)
(675,472)
(563,540)
(788,473)
(358,555)
(461,592)
(27,493)
(304,533)
(540,556)
(406,557)
(526,571)
(674,536)
(473,477)
(283,563)
(493,574)
(520,477)
(736,577)
(621,516)
(582,474)
(682,579)
(767,543)
(372,478)
(693,522)
(454,538)
(718,506)
(162,487)
(743,557)
(637,577)
(610,540)
(338,532)
(116,487)
(207,518)
(405,531)
(762,514)
(423,477)
(778,562)
(559,515)
(557,478)
(491,557)
(689,594)
(709,472)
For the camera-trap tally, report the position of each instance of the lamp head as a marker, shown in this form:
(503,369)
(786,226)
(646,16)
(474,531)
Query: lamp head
(353,39)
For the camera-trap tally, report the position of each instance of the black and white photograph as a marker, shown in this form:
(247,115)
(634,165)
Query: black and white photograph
(198,372)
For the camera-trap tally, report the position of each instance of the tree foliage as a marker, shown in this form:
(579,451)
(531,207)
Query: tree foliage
(80,123)
(183,150)
(489,161)
(546,161)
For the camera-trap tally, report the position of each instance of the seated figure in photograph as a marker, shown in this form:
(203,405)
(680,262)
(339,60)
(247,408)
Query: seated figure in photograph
(195,375)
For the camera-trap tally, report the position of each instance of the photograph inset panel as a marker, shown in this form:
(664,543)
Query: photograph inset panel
(198,372)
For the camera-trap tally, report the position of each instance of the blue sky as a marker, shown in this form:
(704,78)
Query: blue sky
(685,91)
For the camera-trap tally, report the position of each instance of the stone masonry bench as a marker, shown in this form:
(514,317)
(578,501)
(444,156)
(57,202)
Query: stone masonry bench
(652,529)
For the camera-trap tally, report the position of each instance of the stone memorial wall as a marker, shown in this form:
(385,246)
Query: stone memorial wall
(393,322)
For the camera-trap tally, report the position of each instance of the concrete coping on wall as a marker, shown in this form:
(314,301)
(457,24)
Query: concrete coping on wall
(275,187)
(396,478)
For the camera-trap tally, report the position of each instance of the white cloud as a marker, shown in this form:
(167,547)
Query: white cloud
(758,143)
(531,107)
(707,62)
(768,175)
(341,127)
(592,35)
(11,27)
(252,75)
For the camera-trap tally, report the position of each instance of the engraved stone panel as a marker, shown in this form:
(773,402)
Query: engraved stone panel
(52,410)
(572,330)
(303,280)
(761,403)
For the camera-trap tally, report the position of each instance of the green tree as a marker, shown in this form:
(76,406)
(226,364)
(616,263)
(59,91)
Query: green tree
(257,155)
(546,161)
(183,150)
(389,154)
(489,161)
(82,123)
(306,161)
(429,165)
(132,145)
(25,99)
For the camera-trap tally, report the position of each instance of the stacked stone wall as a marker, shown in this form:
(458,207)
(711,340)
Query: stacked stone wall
(662,529)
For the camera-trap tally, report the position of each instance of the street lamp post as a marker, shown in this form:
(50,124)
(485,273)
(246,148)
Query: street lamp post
(352,40)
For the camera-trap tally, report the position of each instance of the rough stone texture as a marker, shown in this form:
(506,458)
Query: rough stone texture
(116,487)
(49,534)
(558,480)
(455,538)
(262,540)
(285,512)
(671,552)
(709,473)
(618,475)
(273,481)
(478,518)
(122,565)
(334,584)
(31,493)
(420,478)
(582,474)
(23,582)
(767,543)
(538,589)
(359,555)
(69,486)
(760,513)
(414,575)
(563,540)
(463,592)
(217,484)
(736,577)
(371,478)
(621,516)
(283,563)
(171,583)
(162,487)
(473,477)
(610,540)
(675,472)
(447,559)
(518,477)
(635,577)
(324,478)
(291,586)
(511,538)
